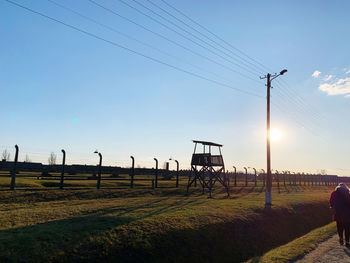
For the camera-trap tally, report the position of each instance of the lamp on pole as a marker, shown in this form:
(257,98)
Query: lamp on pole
(269,78)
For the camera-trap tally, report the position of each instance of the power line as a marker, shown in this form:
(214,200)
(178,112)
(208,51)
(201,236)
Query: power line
(296,105)
(301,99)
(295,101)
(187,32)
(218,37)
(171,41)
(298,98)
(125,35)
(200,33)
(133,51)
(134,39)
(295,119)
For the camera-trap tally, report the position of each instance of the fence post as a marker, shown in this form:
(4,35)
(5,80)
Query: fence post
(132,172)
(255,179)
(235,183)
(99,170)
(290,178)
(277,179)
(263,177)
(156,181)
(246,176)
(62,172)
(227,178)
(177,173)
(13,175)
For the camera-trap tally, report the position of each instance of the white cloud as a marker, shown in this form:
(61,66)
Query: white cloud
(328,77)
(347,72)
(316,74)
(338,87)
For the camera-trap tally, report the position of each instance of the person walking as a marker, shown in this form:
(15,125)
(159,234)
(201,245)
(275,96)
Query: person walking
(340,204)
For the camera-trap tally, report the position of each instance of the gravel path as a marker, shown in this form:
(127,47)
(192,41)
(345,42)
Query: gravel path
(328,252)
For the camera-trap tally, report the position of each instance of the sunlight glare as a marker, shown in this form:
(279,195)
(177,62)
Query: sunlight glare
(275,135)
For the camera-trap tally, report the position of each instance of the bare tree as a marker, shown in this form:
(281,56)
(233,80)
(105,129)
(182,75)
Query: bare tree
(27,159)
(5,155)
(52,158)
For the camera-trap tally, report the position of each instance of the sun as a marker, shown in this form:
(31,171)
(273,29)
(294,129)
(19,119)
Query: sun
(275,135)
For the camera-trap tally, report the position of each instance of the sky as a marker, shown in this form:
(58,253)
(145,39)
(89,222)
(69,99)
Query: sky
(126,77)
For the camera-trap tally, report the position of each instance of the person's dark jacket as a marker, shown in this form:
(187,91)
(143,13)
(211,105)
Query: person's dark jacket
(340,202)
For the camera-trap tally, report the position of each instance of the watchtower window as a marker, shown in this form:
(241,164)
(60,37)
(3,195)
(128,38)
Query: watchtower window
(210,155)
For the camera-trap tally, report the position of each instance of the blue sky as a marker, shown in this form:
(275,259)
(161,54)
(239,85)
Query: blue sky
(63,89)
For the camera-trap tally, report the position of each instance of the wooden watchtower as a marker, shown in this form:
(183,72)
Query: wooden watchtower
(207,168)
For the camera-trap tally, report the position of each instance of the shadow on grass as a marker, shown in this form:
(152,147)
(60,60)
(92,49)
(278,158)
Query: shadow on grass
(112,235)
(46,195)
(37,243)
(59,238)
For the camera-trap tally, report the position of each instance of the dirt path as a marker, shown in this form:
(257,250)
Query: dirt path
(327,252)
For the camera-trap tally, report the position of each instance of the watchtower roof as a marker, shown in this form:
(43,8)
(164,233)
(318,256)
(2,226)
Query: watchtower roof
(208,143)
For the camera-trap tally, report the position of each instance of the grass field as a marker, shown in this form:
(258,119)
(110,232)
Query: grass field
(45,224)
(297,248)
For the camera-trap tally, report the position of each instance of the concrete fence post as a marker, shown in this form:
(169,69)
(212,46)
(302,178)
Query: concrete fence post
(13,175)
(132,174)
(63,165)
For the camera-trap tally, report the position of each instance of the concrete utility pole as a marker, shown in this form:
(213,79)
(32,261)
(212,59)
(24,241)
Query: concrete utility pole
(268,197)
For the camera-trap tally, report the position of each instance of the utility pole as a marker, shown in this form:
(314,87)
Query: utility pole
(268,197)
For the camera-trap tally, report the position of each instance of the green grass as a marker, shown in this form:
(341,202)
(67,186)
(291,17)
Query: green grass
(145,225)
(298,247)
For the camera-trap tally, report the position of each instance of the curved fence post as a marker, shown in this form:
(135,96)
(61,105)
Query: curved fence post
(177,173)
(246,176)
(235,182)
(255,179)
(263,177)
(156,175)
(13,175)
(99,170)
(132,171)
(63,165)
(277,178)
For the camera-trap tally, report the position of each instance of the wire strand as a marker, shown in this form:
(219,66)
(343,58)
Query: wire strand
(133,51)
